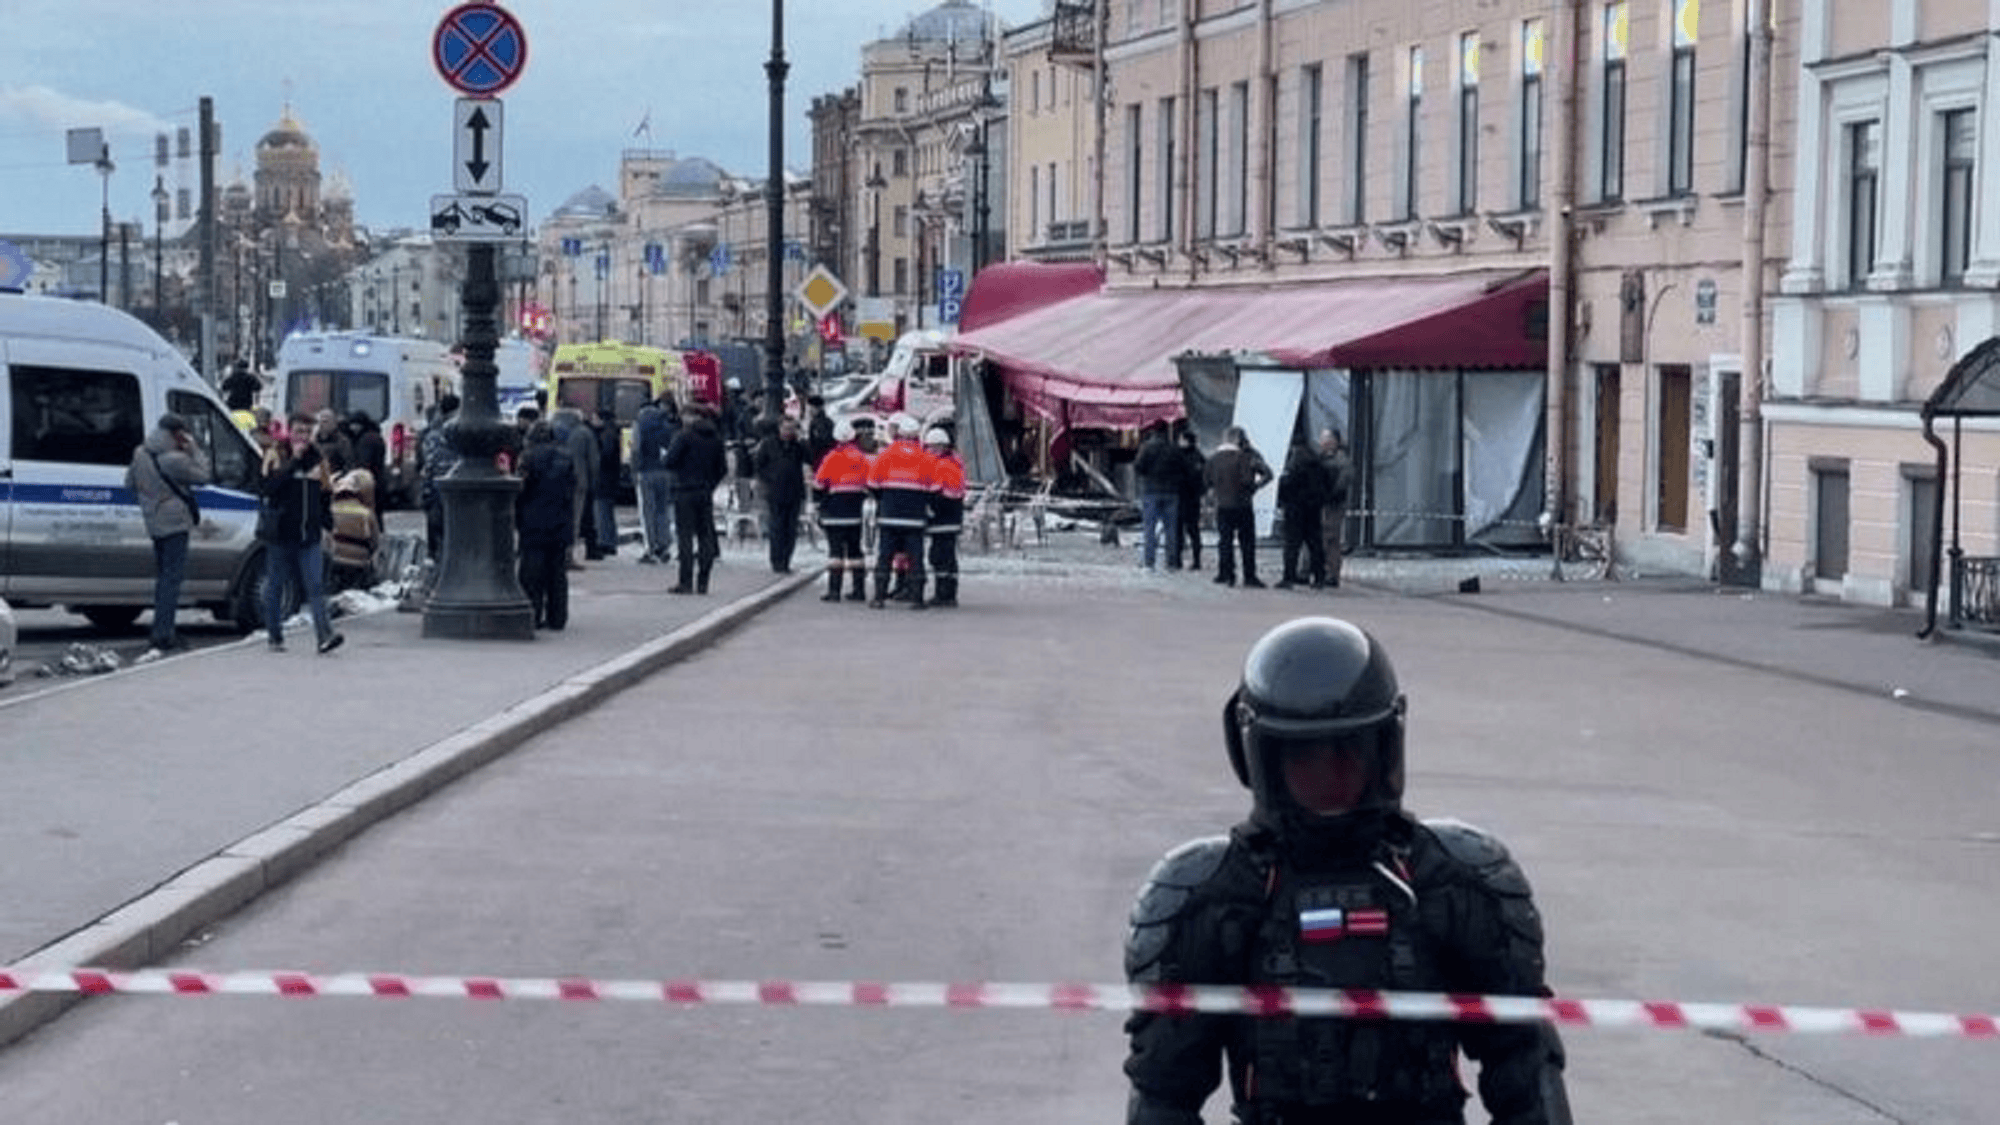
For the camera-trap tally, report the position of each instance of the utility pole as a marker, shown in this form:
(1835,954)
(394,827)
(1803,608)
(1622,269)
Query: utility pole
(206,220)
(774,226)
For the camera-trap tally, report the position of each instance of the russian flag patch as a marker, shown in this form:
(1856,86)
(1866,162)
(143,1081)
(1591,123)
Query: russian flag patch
(1332,923)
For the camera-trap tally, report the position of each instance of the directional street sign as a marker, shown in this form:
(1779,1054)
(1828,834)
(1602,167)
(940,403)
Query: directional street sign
(475,151)
(821,292)
(478,218)
(479,49)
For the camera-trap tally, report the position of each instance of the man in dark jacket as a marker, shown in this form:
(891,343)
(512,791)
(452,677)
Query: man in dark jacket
(604,486)
(1302,492)
(1235,473)
(782,461)
(652,433)
(699,464)
(241,387)
(1158,468)
(371,452)
(546,524)
(1193,486)
(819,430)
(574,435)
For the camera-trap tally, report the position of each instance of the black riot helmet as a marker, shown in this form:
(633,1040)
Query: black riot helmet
(1316,682)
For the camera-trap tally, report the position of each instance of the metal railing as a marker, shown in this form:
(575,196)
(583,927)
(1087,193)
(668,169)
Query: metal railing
(1975,591)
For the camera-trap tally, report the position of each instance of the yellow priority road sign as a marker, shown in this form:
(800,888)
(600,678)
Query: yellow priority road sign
(821,292)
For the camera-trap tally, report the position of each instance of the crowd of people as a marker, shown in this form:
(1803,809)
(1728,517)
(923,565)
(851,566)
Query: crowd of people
(1175,478)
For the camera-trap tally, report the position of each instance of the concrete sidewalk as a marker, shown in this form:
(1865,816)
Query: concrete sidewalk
(153,802)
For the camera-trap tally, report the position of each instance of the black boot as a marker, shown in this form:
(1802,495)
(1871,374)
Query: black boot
(860,572)
(947,593)
(832,594)
(881,591)
(917,595)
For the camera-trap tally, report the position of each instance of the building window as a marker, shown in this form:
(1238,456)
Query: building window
(1209,155)
(1035,201)
(1035,95)
(1413,116)
(902,275)
(1611,157)
(902,100)
(1312,94)
(900,224)
(1468,123)
(1530,156)
(1960,135)
(1165,170)
(1055,215)
(1134,164)
(1864,164)
(1740,150)
(899,162)
(1357,139)
(1680,104)
(1239,158)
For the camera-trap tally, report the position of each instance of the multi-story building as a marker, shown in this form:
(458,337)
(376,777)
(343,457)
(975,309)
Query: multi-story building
(1893,274)
(1520,287)
(1053,130)
(926,157)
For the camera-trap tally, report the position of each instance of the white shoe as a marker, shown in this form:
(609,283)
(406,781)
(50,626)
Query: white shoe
(148,656)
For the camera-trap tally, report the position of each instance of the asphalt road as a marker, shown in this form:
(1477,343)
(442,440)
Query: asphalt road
(836,794)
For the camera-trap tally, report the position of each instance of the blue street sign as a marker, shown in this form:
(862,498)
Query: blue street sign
(795,251)
(572,247)
(656,258)
(951,283)
(718,259)
(948,310)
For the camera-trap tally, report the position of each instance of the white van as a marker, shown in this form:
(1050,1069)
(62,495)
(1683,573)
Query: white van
(395,380)
(81,385)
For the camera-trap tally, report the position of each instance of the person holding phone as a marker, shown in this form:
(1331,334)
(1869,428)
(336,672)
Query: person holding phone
(164,472)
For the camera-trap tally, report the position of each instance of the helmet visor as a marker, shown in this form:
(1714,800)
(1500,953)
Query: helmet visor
(1326,774)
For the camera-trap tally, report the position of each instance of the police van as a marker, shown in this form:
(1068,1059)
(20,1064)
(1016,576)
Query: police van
(81,385)
(395,380)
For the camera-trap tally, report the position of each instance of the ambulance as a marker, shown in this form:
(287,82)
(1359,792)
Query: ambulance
(396,380)
(615,376)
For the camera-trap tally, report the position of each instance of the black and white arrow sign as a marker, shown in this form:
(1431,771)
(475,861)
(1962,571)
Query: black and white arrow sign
(475,157)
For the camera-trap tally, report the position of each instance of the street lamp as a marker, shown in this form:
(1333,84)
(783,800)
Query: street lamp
(159,251)
(774,225)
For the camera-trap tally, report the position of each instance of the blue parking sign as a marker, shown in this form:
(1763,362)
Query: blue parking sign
(951,283)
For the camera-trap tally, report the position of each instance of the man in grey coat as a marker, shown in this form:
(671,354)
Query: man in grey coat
(164,471)
(577,440)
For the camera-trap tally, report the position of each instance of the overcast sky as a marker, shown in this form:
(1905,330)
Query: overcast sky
(359,77)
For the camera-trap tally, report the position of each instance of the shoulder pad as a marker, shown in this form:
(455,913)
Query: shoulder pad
(1161,901)
(1175,877)
(1482,852)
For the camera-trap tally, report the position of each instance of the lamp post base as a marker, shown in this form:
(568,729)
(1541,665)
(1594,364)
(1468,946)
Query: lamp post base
(477,595)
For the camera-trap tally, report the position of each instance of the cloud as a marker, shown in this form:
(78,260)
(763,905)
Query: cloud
(40,105)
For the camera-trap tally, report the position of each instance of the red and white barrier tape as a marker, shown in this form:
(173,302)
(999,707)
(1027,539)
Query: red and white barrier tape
(1265,1001)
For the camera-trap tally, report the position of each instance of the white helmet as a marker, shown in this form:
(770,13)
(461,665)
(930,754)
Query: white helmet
(905,426)
(936,436)
(843,430)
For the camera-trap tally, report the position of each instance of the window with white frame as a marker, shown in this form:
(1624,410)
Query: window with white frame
(1862,152)
(1529,130)
(1208,158)
(1049,185)
(1312,96)
(1164,170)
(1680,99)
(1413,123)
(1613,34)
(1466,195)
(1958,142)
(1356,202)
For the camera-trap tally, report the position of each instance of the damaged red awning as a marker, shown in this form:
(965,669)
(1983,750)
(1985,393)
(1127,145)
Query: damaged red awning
(1107,357)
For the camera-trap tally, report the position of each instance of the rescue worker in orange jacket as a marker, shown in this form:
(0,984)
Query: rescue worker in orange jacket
(947,513)
(901,481)
(840,485)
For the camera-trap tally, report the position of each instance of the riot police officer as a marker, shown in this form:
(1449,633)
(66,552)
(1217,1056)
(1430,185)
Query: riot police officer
(1330,884)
